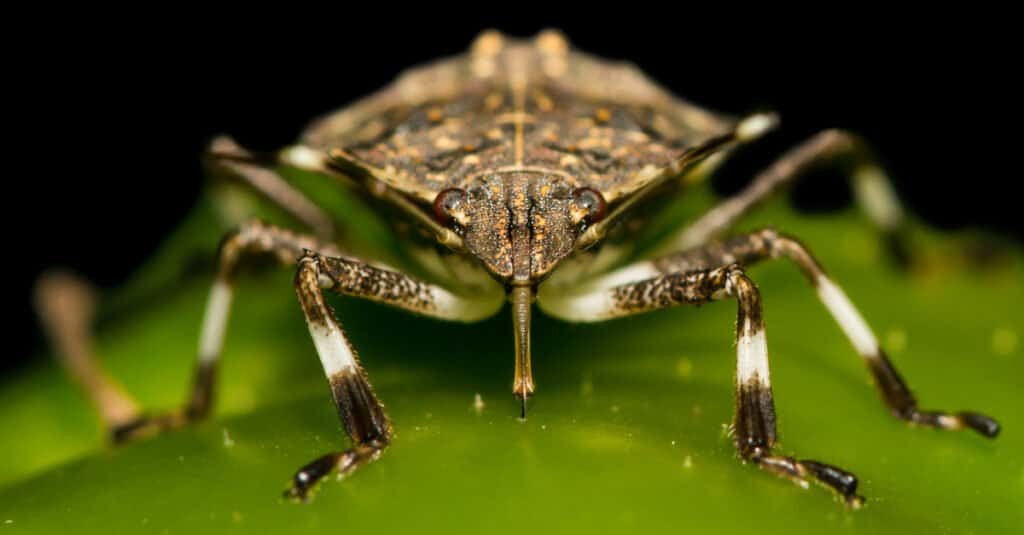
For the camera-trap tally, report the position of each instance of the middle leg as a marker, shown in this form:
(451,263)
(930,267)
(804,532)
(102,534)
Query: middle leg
(768,244)
(237,248)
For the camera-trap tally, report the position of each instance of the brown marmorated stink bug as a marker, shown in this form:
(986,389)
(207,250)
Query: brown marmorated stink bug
(511,172)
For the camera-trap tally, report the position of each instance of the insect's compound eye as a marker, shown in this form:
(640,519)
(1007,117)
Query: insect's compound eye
(449,205)
(588,205)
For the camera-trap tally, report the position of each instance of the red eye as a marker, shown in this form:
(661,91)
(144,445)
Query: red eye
(446,202)
(592,202)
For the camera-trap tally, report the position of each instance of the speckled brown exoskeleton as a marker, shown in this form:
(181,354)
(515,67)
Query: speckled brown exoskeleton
(519,172)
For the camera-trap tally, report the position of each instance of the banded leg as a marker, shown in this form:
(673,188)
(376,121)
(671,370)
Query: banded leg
(251,239)
(64,302)
(769,244)
(361,413)
(872,189)
(754,425)
(754,420)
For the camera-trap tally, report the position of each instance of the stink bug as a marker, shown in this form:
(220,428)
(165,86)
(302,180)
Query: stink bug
(519,172)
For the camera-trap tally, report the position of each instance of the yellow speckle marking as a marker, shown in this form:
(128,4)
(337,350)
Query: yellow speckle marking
(446,143)
(493,101)
(635,136)
(568,160)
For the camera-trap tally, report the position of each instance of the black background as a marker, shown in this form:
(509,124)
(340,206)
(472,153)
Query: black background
(120,106)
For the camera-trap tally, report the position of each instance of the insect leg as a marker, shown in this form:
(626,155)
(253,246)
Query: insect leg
(361,413)
(754,421)
(871,186)
(767,244)
(238,246)
(226,158)
(65,306)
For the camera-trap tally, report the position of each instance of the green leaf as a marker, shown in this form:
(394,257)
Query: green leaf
(627,431)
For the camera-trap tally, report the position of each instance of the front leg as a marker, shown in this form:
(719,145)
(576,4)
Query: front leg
(65,308)
(360,411)
(754,421)
(767,244)
(653,284)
